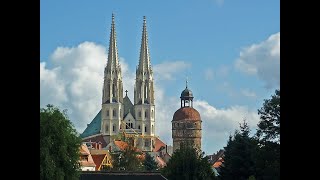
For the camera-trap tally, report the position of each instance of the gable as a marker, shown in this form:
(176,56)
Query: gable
(128,106)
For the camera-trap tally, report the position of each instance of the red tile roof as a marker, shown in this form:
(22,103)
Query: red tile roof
(218,163)
(98,158)
(97,139)
(186,113)
(121,145)
(158,144)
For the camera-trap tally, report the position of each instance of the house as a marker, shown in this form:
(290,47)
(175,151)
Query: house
(86,161)
(216,160)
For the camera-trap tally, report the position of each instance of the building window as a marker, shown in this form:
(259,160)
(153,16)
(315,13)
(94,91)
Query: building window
(107,113)
(107,128)
(146,114)
(152,129)
(131,125)
(114,113)
(139,113)
(145,129)
(114,128)
(139,127)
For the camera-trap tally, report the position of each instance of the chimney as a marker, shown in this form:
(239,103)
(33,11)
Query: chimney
(95,145)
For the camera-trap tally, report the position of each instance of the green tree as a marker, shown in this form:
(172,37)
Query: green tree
(149,163)
(189,164)
(267,154)
(267,161)
(59,145)
(269,125)
(238,155)
(127,160)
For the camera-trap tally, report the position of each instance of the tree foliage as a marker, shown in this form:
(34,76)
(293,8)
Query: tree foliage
(267,154)
(238,155)
(189,164)
(127,160)
(149,163)
(269,125)
(59,145)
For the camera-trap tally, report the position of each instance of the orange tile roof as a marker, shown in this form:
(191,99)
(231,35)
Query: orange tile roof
(158,144)
(98,158)
(186,113)
(121,145)
(218,163)
(85,151)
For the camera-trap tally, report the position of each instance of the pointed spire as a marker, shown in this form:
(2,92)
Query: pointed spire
(144,61)
(113,62)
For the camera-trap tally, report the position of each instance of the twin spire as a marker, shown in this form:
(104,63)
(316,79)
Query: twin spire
(113,60)
(144,62)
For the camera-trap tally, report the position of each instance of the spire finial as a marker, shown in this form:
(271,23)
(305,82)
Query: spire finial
(126,92)
(112,18)
(187,82)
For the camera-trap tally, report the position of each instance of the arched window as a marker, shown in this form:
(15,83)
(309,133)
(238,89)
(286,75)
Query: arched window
(114,113)
(114,128)
(139,127)
(131,125)
(145,129)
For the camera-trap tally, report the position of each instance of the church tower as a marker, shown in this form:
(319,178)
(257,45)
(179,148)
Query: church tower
(144,93)
(112,95)
(186,122)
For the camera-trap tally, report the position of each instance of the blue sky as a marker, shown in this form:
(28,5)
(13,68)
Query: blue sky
(229,50)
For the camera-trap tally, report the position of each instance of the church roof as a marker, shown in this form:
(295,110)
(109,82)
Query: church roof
(186,113)
(93,128)
(128,106)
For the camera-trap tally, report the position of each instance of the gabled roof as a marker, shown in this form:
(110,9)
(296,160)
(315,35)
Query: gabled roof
(93,128)
(158,144)
(85,151)
(121,145)
(128,106)
(97,138)
(98,158)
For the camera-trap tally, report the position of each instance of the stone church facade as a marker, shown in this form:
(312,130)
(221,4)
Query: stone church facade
(118,114)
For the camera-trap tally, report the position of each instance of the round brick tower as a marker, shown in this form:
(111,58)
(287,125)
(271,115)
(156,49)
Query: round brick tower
(186,122)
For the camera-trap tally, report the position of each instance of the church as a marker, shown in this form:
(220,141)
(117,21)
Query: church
(118,114)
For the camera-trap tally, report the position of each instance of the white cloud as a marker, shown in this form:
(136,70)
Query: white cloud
(165,70)
(75,82)
(248,93)
(263,60)
(218,124)
(76,79)
(208,74)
